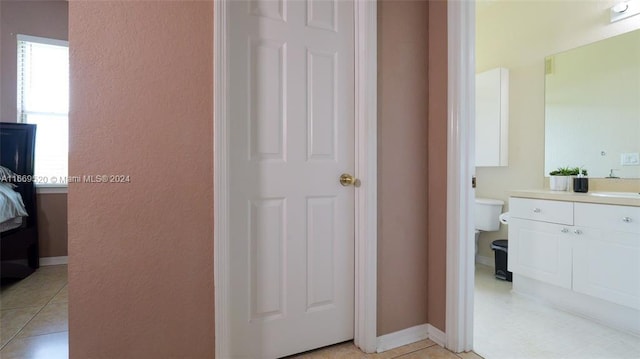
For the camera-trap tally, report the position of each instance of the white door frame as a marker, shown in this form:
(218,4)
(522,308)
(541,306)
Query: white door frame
(365,144)
(460,169)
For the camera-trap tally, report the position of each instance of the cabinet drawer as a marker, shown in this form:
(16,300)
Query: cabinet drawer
(541,210)
(608,217)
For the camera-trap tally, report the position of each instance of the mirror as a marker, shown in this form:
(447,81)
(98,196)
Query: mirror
(592,108)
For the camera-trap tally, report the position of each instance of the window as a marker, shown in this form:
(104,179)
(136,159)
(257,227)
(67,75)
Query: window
(43,99)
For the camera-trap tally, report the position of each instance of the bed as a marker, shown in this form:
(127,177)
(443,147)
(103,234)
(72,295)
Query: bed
(19,253)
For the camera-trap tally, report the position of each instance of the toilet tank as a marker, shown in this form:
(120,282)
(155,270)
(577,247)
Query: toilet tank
(487,212)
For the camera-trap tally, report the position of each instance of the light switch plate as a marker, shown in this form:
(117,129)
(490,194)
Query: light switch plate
(630,159)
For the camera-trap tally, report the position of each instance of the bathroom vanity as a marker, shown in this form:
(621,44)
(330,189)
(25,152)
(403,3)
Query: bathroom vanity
(579,252)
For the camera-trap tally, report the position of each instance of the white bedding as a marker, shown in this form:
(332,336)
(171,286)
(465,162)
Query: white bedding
(11,205)
(11,224)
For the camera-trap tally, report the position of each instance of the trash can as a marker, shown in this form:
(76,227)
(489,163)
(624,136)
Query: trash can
(500,248)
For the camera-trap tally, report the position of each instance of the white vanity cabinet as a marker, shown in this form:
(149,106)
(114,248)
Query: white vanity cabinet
(606,253)
(577,255)
(593,249)
(540,240)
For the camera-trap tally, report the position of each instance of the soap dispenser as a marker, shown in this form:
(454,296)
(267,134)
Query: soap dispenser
(581,183)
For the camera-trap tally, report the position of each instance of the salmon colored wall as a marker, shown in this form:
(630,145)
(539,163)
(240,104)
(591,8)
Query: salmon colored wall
(437,139)
(402,165)
(141,253)
(52,224)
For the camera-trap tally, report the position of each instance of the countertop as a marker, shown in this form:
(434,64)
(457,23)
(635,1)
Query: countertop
(588,197)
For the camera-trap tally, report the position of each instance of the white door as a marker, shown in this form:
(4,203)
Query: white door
(291,90)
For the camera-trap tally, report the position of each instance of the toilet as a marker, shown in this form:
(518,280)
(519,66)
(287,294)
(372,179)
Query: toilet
(487,212)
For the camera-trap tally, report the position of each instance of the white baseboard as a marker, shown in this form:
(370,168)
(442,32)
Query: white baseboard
(437,335)
(488,261)
(410,335)
(54,261)
(402,337)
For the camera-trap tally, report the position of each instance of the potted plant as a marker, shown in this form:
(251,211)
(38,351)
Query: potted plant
(559,179)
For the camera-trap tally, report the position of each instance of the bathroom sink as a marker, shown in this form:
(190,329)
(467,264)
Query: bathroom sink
(617,194)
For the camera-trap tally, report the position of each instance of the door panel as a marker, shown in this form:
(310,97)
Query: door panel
(291,108)
(541,251)
(266,258)
(321,99)
(267,112)
(321,236)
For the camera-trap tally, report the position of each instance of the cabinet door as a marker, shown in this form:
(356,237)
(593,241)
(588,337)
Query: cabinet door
(540,251)
(606,265)
(492,118)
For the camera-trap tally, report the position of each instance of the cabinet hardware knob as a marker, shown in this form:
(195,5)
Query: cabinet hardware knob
(577,231)
(536,210)
(564,230)
(626,219)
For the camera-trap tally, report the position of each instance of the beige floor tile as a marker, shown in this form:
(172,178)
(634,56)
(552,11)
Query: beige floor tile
(469,355)
(49,272)
(62,296)
(433,352)
(36,290)
(52,318)
(393,353)
(349,350)
(338,351)
(12,320)
(27,297)
(46,274)
(48,346)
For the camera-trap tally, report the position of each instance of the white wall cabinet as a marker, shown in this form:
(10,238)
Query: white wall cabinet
(592,249)
(492,118)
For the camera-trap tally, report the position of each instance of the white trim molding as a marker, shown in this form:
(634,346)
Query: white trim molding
(438,336)
(54,261)
(366,219)
(221,180)
(460,167)
(410,335)
(402,337)
(366,170)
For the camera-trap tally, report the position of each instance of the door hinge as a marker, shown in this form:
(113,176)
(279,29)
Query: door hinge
(473,182)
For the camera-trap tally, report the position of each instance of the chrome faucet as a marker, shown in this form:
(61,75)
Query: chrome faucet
(612,175)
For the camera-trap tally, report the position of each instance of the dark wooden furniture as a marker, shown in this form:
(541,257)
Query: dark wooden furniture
(19,247)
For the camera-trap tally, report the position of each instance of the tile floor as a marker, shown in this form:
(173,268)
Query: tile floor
(425,349)
(34,316)
(34,325)
(510,326)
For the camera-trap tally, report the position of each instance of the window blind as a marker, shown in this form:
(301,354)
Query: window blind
(43,99)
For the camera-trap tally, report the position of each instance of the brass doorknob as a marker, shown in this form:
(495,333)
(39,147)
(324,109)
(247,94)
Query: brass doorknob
(348,180)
